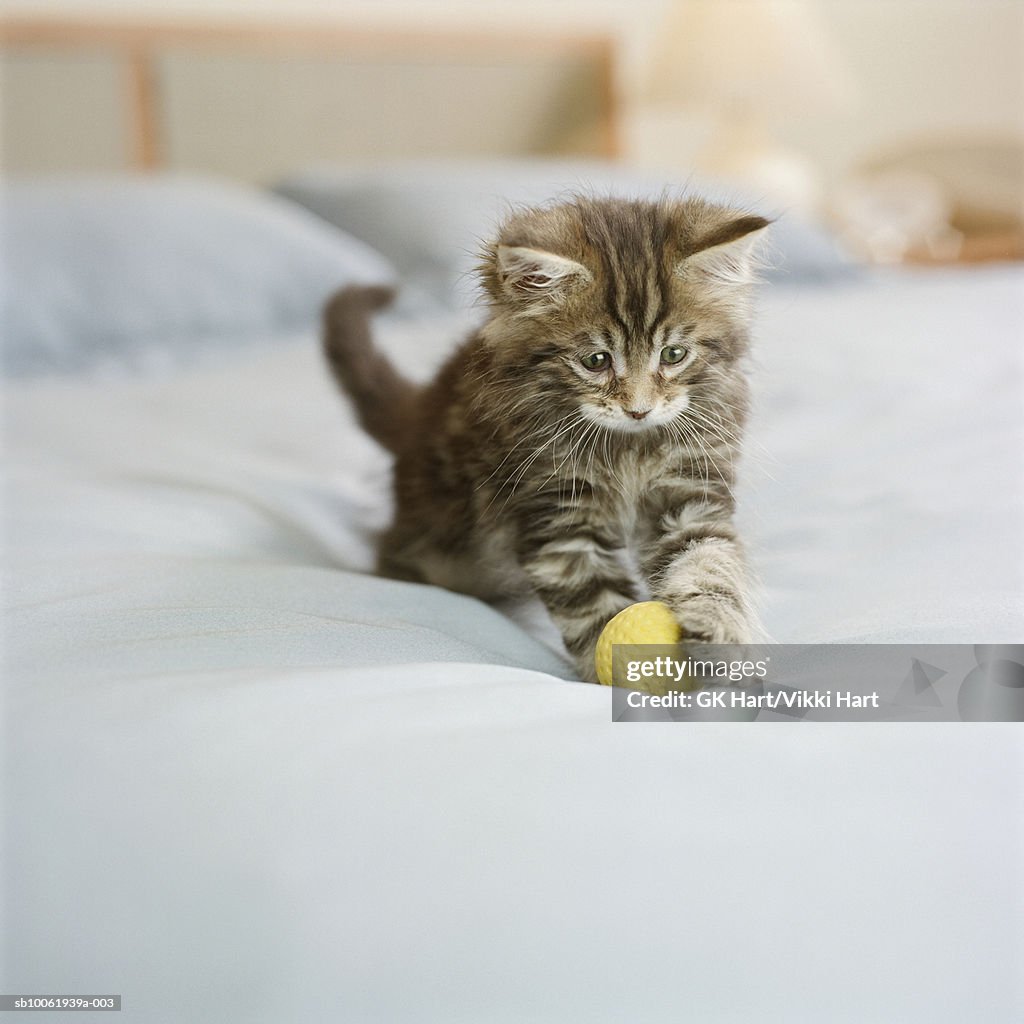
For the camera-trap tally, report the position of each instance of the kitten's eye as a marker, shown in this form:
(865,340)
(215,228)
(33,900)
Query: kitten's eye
(672,354)
(596,361)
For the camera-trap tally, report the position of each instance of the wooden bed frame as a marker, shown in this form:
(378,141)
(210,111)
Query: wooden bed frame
(137,46)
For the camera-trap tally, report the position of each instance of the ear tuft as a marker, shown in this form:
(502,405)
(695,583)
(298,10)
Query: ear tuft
(534,273)
(727,255)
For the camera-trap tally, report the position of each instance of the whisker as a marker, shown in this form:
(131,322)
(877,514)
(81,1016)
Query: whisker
(518,476)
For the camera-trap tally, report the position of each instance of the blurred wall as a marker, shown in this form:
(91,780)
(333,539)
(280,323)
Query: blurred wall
(934,68)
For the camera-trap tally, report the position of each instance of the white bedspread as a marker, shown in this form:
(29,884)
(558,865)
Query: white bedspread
(247,781)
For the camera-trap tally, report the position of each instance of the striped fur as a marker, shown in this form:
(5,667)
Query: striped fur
(523,468)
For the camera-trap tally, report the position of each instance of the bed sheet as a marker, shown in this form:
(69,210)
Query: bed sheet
(247,780)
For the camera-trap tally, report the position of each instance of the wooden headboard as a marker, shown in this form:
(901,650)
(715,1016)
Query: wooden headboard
(256,101)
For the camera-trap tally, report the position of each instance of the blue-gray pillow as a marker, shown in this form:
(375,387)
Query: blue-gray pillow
(129,271)
(429,217)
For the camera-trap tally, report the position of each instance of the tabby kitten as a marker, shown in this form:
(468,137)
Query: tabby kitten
(592,421)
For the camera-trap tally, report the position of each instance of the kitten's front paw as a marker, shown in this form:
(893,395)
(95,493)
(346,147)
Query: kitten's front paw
(711,619)
(586,668)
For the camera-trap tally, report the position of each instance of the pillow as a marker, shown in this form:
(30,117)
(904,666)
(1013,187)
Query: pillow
(429,218)
(135,270)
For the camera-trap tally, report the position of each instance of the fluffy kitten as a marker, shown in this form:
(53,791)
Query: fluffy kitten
(597,411)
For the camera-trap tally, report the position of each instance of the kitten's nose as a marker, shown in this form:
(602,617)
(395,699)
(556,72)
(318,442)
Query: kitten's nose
(637,414)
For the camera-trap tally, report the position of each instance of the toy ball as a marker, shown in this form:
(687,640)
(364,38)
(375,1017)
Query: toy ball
(649,622)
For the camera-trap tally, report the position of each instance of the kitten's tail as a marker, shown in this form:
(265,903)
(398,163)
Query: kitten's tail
(382,396)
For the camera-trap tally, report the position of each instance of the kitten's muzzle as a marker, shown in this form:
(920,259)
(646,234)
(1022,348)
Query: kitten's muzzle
(638,414)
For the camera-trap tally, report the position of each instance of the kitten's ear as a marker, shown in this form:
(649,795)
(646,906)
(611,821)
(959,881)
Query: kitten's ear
(727,255)
(534,273)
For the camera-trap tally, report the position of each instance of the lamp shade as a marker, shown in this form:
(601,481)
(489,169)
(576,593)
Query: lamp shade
(770,56)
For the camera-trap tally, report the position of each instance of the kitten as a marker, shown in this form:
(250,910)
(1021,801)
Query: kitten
(597,411)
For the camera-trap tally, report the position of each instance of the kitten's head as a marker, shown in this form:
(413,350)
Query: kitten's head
(625,308)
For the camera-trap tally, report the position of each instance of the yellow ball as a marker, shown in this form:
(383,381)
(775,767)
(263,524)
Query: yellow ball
(649,622)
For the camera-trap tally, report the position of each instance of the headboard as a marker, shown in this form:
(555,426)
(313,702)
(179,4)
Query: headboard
(257,101)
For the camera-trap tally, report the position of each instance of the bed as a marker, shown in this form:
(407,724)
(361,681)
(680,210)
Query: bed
(245,779)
